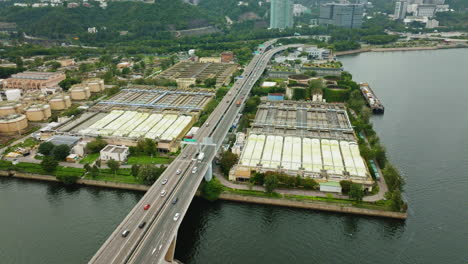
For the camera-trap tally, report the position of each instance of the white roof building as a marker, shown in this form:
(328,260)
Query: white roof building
(114,152)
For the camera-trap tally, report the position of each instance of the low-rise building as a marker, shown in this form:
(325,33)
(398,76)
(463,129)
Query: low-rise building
(114,152)
(30,80)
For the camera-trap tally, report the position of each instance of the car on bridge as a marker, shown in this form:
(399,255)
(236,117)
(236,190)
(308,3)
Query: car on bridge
(164,181)
(146,207)
(142,225)
(163,192)
(194,170)
(176,216)
(125,233)
(178,171)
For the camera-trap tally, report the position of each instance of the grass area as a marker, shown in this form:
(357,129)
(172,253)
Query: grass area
(90,158)
(252,193)
(148,160)
(122,176)
(37,169)
(27,143)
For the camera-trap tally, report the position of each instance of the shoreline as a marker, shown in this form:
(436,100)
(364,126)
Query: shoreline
(311,205)
(358,51)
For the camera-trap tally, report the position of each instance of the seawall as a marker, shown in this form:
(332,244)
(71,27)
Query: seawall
(105,184)
(314,205)
(341,53)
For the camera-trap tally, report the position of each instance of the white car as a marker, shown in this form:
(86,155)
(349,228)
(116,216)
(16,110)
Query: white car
(194,169)
(176,217)
(164,181)
(178,171)
(163,192)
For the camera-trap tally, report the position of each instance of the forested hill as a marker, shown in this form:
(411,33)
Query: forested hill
(140,19)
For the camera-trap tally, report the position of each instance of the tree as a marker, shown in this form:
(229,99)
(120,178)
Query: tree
(54,65)
(134,170)
(310,73)
(356,192)
(94,172)
(46,148)
(60,152)
(309,183)
(149,173)
(396,201)
(87,168)
(126,71)
(228,160)
(49,164)
(210,82)
(393,178)
(113,165)
(271,182)
(68,179)
(258,178)
(96,145)
(212,189)
(68,82)
(345,186)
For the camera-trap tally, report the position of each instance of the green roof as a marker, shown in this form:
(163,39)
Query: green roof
(331,184)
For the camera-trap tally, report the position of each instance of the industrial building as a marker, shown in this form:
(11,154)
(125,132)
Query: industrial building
(313,140)
(189,72)
(114,152)
(341,15)
(145,98)
(34,80)
(79,92)
(164,115)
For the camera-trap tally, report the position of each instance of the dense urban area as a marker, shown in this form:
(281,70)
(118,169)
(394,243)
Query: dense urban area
(113,93)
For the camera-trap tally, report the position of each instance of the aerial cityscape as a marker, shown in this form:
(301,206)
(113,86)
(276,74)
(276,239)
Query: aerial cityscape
(221,131)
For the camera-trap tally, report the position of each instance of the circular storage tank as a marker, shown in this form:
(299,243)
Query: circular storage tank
(10,108)
(38,112)
(60,102)
(13,123)
(95,85)
(80,93)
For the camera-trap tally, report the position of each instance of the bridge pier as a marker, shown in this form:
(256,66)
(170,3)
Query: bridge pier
(209,173)
(169,257)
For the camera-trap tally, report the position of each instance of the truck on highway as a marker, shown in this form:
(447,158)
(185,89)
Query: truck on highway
(238,103)
(200,157)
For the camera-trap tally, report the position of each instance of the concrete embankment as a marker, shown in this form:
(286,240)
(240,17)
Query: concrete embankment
(315,205)
(105,184)
(398,49)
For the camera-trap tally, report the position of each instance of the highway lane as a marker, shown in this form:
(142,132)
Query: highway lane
(118,249)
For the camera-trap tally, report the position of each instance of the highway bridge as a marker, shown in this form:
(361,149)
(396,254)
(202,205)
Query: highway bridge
(155,241)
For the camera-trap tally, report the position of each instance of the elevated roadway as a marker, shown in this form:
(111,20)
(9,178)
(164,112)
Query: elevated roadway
(155,242)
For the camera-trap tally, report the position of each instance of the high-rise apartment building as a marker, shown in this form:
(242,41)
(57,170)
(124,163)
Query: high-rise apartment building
(342,15)
(400,10)
(281,14)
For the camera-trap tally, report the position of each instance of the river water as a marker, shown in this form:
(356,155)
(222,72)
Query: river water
(425,130)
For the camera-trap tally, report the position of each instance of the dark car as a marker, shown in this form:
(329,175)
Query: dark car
(142,225)
(175,200)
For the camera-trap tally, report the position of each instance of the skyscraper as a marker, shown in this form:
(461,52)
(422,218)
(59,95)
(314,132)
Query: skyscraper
(400,10)
(342,15)
(281,14)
